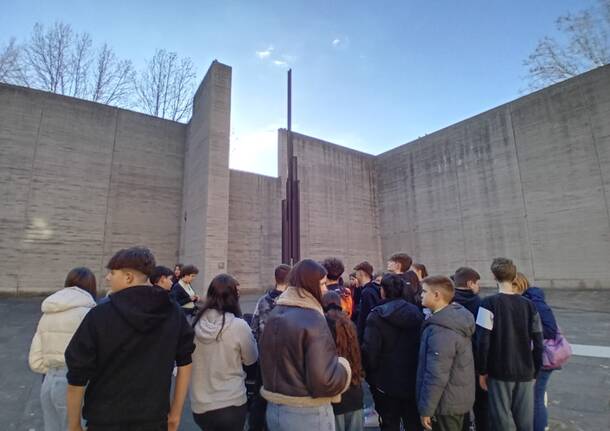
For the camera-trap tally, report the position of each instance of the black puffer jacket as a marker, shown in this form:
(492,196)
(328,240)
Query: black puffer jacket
(299,361)
(391,344)
(445,374)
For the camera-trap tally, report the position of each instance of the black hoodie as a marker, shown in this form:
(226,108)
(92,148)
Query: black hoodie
(467,299)
(124,351)
(390,347)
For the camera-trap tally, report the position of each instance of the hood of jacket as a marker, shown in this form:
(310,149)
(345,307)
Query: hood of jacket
(454,317)
(534,294)
(466,297)
(66,299)
(211,324)
(398,312)
(143,307)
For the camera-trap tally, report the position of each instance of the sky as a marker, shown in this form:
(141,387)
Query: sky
(369,75)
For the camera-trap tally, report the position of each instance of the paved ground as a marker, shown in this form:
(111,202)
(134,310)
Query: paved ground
(579,395)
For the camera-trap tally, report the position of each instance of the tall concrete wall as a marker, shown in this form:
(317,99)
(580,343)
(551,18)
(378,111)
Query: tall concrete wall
(79,180)
(205,210)
(528,180)
(338,201)
(255,243)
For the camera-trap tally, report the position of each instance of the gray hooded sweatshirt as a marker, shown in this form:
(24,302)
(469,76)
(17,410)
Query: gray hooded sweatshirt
(218,378)
(445,372)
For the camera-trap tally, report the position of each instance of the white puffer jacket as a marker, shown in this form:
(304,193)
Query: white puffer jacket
(62,313)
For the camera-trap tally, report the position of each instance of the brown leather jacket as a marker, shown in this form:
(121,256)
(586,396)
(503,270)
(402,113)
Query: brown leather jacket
(299,361)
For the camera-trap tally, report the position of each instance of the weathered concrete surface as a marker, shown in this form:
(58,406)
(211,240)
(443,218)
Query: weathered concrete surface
(528,180)
(205,202)
(255,243)
(78,181)
(338,208)
(578,394)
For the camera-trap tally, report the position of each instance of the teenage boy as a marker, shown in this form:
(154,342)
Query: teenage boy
(467,295)
(445,371)
(370,295)
(162,277)
(266,303)
(122,355)
(264,306)
(335,268)
(509,351)
(467,289)
(400,264)
(183,292)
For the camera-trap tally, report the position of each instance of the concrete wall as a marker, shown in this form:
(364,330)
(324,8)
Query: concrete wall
(338,201)
(255,243)
(205,211)
(79,180)
(527,180)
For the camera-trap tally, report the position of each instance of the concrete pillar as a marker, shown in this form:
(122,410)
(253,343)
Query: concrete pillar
(205,194)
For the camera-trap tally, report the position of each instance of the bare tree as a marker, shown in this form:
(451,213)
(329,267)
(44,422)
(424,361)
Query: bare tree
(11,64)
(47,57)
(60,60)
(586,45)
(165,87)
(113,79)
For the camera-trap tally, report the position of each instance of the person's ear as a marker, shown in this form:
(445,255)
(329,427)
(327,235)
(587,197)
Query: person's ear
(129,277)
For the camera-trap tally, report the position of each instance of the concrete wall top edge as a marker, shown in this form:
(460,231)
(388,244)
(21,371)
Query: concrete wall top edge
(519,100)
(330,144)
(252,174)
(76,100)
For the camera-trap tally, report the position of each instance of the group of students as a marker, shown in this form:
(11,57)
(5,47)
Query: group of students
(313,346)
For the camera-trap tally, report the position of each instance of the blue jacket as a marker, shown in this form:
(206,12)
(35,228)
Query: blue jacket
(549,325)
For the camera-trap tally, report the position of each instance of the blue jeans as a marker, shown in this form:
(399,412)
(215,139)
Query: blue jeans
(281,417)
(351,421)
(53,400)
(541,418)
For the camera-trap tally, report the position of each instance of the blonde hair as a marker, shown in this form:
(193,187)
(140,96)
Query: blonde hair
(520,283)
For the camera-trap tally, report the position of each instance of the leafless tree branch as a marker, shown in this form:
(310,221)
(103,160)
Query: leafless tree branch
(586,46)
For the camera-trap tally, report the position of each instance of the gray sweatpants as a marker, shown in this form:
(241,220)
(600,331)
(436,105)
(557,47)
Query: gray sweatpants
(511,405)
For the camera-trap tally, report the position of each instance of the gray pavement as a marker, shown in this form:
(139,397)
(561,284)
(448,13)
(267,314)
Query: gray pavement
(579,395)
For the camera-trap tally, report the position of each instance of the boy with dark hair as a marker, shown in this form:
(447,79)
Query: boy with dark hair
(162,277)
(445,371)
(124,352)
(264,306)
(183,292)
(335,268)
(400,264)
(370,295)
(467,295)
(509,351)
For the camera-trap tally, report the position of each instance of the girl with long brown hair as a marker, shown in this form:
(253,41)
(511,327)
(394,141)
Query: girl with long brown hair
(348,413)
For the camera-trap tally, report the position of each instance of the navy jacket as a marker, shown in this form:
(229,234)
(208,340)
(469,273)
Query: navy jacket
(371,295)
(390,348)
(549,325)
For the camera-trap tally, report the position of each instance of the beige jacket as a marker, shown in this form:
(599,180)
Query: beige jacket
(62,314)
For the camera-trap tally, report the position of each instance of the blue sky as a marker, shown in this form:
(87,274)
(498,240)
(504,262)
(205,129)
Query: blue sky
(369,75)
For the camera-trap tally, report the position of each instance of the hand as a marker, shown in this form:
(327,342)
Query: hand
(173,422)
(426,422)
(75,428)
(483,381)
